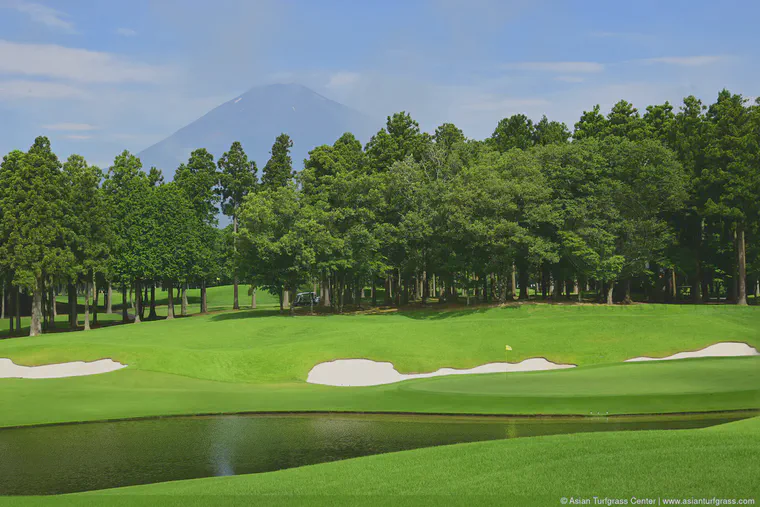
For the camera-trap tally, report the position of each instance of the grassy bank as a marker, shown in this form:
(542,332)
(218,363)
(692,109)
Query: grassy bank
(258,360)
(704,463)
(261,346)
(661,387)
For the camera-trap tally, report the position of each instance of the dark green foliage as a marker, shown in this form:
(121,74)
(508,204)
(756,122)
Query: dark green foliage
(517,131)
(665,204)
(279,169)
(237,177)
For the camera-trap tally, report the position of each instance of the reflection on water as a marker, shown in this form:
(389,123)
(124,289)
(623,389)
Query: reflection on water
(80,457)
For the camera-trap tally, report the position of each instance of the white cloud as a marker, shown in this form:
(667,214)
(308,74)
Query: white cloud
(563,67)
(686,61)
(343,79)
(74,64)
(77,127)
(570,79)
(44,15)
(126,32)
(20,89)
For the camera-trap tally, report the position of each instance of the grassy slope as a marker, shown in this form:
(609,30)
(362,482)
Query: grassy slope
(672,386)
(714,462)
(263,347)
(218,299)
(258,360)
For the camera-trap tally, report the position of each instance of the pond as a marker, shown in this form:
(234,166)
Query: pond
(80,457)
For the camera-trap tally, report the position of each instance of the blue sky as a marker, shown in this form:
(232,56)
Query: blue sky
(101,76)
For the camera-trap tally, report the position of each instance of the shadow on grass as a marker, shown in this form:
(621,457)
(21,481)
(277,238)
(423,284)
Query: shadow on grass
(247,314)
(62,328)
(448,312)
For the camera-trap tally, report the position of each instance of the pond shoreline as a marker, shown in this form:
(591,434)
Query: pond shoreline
(750,412)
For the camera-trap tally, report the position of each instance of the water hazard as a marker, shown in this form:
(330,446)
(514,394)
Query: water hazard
(80,457)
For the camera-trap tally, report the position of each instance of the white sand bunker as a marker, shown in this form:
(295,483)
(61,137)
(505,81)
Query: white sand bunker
(364,372)
(74,369)
(725,349)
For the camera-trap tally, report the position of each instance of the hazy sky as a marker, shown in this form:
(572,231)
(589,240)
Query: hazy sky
(101,76)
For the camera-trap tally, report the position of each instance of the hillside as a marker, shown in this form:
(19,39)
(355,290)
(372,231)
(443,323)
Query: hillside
(255,118)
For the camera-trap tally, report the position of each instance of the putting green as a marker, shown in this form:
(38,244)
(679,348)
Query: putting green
(692,385)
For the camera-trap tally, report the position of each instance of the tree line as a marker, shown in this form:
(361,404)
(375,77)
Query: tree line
(664,205)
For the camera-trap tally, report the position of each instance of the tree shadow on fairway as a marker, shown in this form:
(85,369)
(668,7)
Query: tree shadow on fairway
(449,313)
(247,314)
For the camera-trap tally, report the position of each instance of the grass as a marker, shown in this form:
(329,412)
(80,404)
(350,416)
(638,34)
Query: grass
(258,360)
(217,298)
(655,387)
(717,462)
(261,346)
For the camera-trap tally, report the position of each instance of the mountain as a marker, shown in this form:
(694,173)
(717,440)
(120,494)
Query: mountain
(255,119)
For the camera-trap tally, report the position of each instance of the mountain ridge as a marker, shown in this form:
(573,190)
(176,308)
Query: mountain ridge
(256,118)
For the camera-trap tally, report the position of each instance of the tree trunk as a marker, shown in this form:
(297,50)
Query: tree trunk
(17,308)
(95,297)
(131,299)
(143,298)
(326,287)
(253,297)
(285,299)
(184,299)
(170,302)
(340,293)
(523,273)
(51,312)
(374,292)
(557,288)
(674,284)
(741,279)
(387,295)
(610,288)
(627,299)
(2,301)
(291,300)
(11,309)
(152,315)
(124,313)
(705,287)
(109,297)
(235,302)
(87,305)
(137,307)
(35,328)
(696,292)
(72,293)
